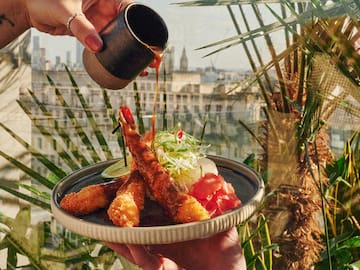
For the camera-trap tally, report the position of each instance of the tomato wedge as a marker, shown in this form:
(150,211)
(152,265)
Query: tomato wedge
(215,194)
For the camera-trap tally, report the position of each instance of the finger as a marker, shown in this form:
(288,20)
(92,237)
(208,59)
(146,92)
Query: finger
(170,265)
(144,259)
(174,252)
(123,4)
(86,33)
(122,250)
(87,4)
(100,12)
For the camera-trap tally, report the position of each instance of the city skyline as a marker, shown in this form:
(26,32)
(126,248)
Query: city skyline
(193,32)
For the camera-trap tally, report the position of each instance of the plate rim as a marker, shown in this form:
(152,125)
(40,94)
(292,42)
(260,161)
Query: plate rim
(175,232)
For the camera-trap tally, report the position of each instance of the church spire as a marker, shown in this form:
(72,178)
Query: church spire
(184,61)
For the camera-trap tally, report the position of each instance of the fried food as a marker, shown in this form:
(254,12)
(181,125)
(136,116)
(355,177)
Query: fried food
(91,198)
(181,206)
(124,211)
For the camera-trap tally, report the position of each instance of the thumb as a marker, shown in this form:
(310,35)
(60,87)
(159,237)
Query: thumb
(86,33)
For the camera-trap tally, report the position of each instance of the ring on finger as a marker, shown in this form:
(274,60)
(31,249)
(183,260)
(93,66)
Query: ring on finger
(71,18)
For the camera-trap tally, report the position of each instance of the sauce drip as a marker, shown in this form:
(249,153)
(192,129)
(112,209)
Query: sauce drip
(156,65)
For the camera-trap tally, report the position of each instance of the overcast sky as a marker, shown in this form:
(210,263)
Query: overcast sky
(189,27)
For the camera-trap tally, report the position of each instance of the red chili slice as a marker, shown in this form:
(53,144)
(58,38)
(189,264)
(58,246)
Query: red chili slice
(126,112)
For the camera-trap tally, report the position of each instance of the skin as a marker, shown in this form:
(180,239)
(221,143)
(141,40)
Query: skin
(221,251)
(51,16)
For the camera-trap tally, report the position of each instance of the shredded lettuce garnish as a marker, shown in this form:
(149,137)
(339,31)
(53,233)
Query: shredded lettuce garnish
(178,152)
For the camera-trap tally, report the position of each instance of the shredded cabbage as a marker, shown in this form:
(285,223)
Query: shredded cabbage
(179,152)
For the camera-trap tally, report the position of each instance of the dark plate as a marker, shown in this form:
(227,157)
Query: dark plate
(155,227)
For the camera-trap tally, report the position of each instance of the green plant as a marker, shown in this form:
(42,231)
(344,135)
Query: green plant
(319,56)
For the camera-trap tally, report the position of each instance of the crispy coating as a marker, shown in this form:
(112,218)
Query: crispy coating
(124,211)
(181,206)
(91,198)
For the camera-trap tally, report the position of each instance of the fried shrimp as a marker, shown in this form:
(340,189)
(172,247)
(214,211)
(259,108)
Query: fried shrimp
(181,206)
(91,198)
(124,211)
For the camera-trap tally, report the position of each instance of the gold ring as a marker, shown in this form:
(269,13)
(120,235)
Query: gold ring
(71,18)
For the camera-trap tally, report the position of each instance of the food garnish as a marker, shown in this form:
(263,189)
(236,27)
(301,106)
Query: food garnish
(183,156)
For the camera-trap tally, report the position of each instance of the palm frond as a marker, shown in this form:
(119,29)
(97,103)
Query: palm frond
(300,17)
(231,2)
(30,172)
(60,173)
(62,132)
(138,110)
(63,154)
(113,116)
(97,131)
(78,127)
(28,198)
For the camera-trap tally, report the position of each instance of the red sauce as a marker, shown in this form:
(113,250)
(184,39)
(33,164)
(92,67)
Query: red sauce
(156,64)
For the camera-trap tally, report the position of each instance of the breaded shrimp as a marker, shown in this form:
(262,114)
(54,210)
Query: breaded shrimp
(124,211)
(91,198)
(181,206)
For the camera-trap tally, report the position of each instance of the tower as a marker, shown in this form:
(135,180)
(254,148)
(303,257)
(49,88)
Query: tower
(35,56)
(68,58)
(79,49)
(184,61)
(168,59)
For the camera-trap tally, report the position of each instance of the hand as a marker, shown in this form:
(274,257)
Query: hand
(51,16)
(221,251)
(141,256)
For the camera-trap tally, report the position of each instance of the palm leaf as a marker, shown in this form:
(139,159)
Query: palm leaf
(138,110)
(25,197)
(78,128)
(43,195)
(112,114)
(97,131)
(232,2)
(63,134)
(257,257)
(40,157)
(18,248)
(19,238)
(250,58)
(11,258)
(36,176)
(333,10)
(63,154)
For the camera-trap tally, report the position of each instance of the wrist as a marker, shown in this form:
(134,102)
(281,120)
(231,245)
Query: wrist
(22,15)
(14,20)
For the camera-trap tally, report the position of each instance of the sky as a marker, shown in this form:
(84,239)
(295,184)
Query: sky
(189,28)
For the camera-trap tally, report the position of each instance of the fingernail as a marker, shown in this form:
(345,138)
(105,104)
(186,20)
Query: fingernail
(93,42)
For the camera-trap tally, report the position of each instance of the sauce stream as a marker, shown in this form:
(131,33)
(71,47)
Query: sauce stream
(156,64)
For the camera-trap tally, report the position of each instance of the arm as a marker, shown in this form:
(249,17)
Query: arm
(52,16)
(13,20)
